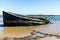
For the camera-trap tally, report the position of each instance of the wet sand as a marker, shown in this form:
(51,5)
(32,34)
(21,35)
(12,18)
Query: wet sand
(51,28)
(26,30)
(20,31)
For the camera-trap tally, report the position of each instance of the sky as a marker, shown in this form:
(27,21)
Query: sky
(31,7)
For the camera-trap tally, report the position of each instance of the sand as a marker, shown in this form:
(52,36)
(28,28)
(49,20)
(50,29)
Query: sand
(19,31)
(23,31)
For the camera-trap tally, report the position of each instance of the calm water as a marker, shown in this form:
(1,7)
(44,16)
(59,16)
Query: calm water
(51,28)
(54,18)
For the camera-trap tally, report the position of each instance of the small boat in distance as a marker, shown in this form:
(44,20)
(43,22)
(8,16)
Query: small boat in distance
(12,19)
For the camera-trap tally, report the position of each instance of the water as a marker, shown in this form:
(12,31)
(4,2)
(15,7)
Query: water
(1,26)
(54,18)
(51,28)
(1,21)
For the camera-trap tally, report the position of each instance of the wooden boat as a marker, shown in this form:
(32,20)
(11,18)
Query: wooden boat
(12,19)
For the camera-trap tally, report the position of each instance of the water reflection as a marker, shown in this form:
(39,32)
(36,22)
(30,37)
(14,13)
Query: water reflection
(51,28)
(1,30)
(1,27)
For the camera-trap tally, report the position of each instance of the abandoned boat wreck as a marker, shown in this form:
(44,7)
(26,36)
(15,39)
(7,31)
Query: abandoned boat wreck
(12,19)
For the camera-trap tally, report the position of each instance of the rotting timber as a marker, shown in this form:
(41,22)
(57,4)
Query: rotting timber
(12,19)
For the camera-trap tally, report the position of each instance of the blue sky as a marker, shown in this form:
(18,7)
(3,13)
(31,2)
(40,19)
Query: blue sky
(26,7)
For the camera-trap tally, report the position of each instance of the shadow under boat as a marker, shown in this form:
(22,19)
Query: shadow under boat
(12,19)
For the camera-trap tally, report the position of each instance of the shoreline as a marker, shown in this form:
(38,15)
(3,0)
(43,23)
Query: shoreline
(16,31)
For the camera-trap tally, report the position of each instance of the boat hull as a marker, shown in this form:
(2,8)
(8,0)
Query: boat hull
(11,19)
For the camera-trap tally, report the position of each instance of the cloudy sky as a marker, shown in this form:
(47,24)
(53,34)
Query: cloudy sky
(26,7)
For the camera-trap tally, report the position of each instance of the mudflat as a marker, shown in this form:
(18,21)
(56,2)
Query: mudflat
(20,31)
